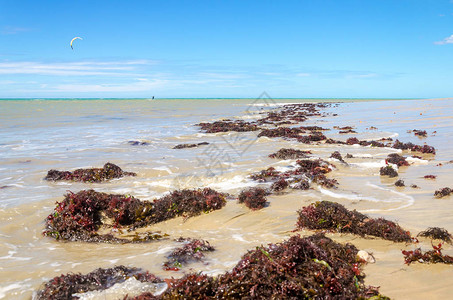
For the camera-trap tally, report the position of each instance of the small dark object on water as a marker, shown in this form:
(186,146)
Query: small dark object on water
(432,256)
(400,182)
(446,191)
(64,286)
(389,171)
(254,198)
(335,217)
(192,250)
(4,187)
(414,186)
(182,146)
(349,155)
(437,233)
(109,171)
(285,153)
(347,131)
(430,176)
(421,133)
(138,143)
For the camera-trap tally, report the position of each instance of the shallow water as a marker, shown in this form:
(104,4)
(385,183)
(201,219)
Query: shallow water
(36,136)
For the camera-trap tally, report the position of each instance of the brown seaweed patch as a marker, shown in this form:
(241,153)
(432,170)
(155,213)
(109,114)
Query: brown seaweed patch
(430,176)
(65,286)
(287,132)
(266,175)
(421,133)
(432,256)
(315,137)
(286,153)
(437,233)
(388,171)
(81,216)
(254,198)
(399,182)
(183,146)
(109,171)
(446,191)
(338,156)
(335,217)
(192,250)
(397,159)
(412,147)
(314,267)
(279,185)
(228,125)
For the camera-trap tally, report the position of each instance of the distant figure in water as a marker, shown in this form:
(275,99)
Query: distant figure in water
(153,97)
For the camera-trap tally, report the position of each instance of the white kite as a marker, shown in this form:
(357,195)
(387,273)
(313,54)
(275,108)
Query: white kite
(77,37)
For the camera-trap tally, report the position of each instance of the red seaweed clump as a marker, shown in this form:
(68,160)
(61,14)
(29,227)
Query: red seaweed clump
(279,185)
(315,137)
(388,171)
(265,175)
(446,191)
(432,256)
(79,217)
(286,153)
(335,217)
(254,198)
(228,125)
(399,183)
(338,156)
(65,286)
(287,132)
(412,147)
(430,176)
(109,171)
(314,267)
(191,251)
(397,159)
(437,233)
(421,133)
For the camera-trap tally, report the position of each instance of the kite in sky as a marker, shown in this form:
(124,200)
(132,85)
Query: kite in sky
(77,37)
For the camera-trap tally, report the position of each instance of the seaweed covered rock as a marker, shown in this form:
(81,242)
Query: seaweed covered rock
(397,159)
(432,256)
(335,217)
(228,125)
(254,198)
(314,267)
(338,156)
(192,250)
(65,286)
(109,171)
(399,183)
(446,191)
(81,216)
(287,132)
(437,233)
(288,153)
(388,171)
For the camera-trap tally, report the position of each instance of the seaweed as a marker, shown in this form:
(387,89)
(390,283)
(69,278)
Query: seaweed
(412,147)
(314,267)
(397,159)
(254,198)
(432,256)
(80,216)
(338,156)
(285,153)
(421,133)
(228,125)
(399,182)
(109,171)
(279,185)
(138,143)
(287,132)
(335,217)
(65,286)
(446,191)
(388,171)
(430,176)
(437,233)
(183,146)
(315,137)
(191,251)
(265,175)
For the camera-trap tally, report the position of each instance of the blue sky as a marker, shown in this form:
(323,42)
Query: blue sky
(333,49)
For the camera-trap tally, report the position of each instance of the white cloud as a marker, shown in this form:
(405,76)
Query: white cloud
(447,40)
(73,68)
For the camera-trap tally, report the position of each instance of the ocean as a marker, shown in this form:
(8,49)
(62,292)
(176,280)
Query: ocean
(139,135)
